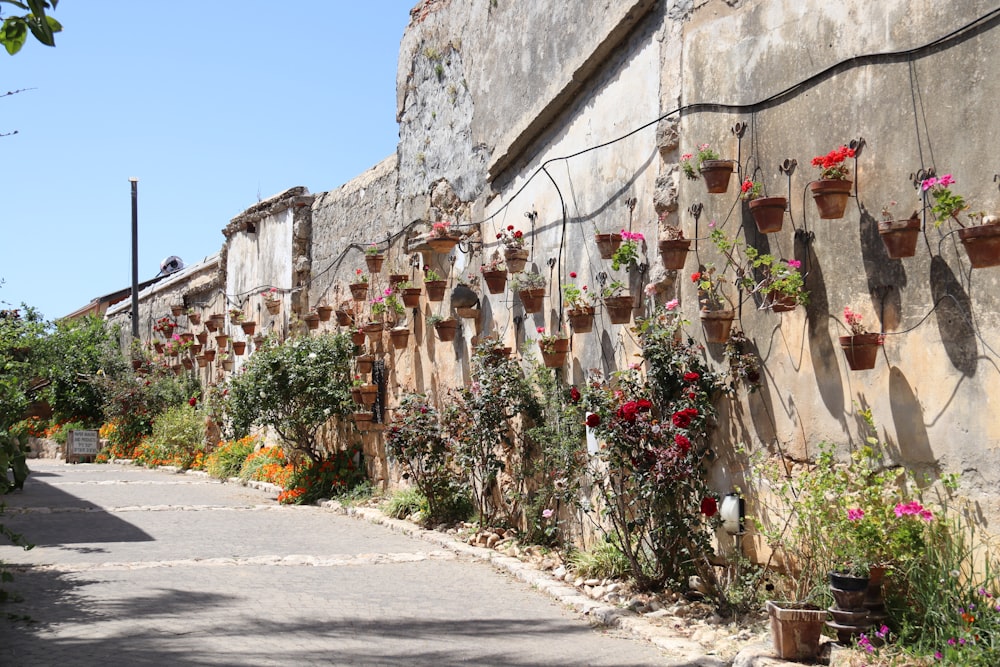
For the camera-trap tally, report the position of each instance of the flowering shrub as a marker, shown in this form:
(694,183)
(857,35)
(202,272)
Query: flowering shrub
(268,464)
(576,297)
(628,252)
(177,440)
(226,460)
(440,229)
(372,250)
(512,239)
(831,166)
(333,476)
(495,263)
(946,203)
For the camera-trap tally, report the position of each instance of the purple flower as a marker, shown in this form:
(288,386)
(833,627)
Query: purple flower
(937,655)
(951,642)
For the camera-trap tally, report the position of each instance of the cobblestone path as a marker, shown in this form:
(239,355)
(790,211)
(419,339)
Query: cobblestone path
(145,567)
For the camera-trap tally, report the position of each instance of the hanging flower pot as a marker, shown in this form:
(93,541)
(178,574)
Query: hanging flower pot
(222,340)
(446,329)
(202,337)
(248,327)
(442,244)
(187,362)
(374,262)
(210,355)
(258,341)
(396,278)
(411,297)
(468,313)
(187,337)
(496,281)
(358,338)
(795,629)
(581,319)
(532,299)
(716,324)
(861,350)
(673,253)
(779,302)
(176,368)
(831,197)
(374,330)
(768,213)
(345,317)
(362,420)
(619,309)
(899,237)
(227,364)
(607,244)
(716,174)
(516,259)
(196,348)
(364,363)
(399,337)
(177,309)
(324,312)
(435,289)
(554,353)
(982,245)
(202,361)
(194,318)
(273,305)
(369,392)
(359,291)
(239,347)
(311,320)
(158,346)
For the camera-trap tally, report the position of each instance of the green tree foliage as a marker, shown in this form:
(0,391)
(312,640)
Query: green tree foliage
(14,30)
(22,334)
(294,388)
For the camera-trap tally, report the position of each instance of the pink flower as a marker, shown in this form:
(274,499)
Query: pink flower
(388,291)
(540,330)
(946,180)
(855,514)
(794,263)
(547,513)
(687,156)
(672,304)
(650,289)
(928,183)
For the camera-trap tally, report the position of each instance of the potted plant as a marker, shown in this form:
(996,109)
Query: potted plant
(248,326)
(514,251)
(369,392)
(530,287)
(674,248)
(860,348)
(359,288)
(394,306)
(553,347)
(833,188)
(435,284)
(400,337)
(210,354)
(235,316)
(325,311)
(311,319)
(202,336)
(714,170)
(445,328)
(465,296)
(981,240)
(781,283)
(716,311)
(177,309)
(768,212)
(194,317)
(440,238)
(898,236)
(579,306)
(345,314)
(358,337)
(164,326)
(795,629)
(221,341)
(239,347)
(272,300)
(607,243)
(374,259)
(410,294)
(495,274)
(618,302)
(628,250)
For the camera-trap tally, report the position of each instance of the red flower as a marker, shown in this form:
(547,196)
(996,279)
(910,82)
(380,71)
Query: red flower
(644,405)
(572,274)
(691,376)
(682,418)
(593,420)
(193,401)
(499,236)
(695,277)
(682,443)
(692,395)
(574,394)
(510,228)
(518,234)
(628,411)
(709,506)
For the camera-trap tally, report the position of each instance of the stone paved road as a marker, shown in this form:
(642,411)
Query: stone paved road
(143,567)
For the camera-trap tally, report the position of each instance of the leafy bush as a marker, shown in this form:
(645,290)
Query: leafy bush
(227,459)
(268,464)
(329,478)
(403,503)
(177,439)
(604,560)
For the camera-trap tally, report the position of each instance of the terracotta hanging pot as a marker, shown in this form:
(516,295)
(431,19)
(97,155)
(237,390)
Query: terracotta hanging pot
(607,244)
(861,350)
(369,392)
(581,320)
(467,312)
(187,363)
(496,281)
(358,338)
(716,174)
(557,357)
(196,348)
(716,324)
(399,338)
(273,306)
(221,341)
(446,329)
(374,263)
(345,317)
(364,363)
(202,337)
(311,320)
(779,302)
(158,346)
(359,291)
(194,318)
(239,347)
(899,237)
(374,330)
(177,309)
(248,327)
(202,361)
(210,355)
(411,297)
(442,244)
(768,213)
(324,312)
(673,253)
(187,337)
(982,245)
(396,278)
(831,197)
(516,258)
(532,299)
(227,364)
(435,289)
(619,309)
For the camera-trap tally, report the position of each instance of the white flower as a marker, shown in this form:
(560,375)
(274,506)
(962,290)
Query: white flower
(312,355)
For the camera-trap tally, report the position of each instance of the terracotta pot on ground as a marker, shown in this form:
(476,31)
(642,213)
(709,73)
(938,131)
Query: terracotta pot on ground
(673,253)
(435,289)
(496,281)
(795,629)
(411,297)
(516,258)
(619,309)
(239,347)
(607,244)
(532,299)
(861,351)
(556,358)
(248,327)
(831,197)
(581,320)
(899,237)
(359,291)
(982,245)
(446,329)
(768,213)
(374,263)
(324,312)
(716,174)
(716,324)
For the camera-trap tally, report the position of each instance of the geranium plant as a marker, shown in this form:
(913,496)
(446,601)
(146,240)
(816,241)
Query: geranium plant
(709,284)
(495,263)
(511,238)
(613,289)
(946,204)
(831,166)
(440,230)
(750,189)
(236,315)
(576,297)
(628,252)
(430,275)
(705,152)
(547,342)
(372,250)
(527,280)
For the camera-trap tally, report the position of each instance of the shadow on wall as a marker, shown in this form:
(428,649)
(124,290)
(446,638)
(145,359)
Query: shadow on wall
(954,317)
(886,277)
(913,445)
(822,352)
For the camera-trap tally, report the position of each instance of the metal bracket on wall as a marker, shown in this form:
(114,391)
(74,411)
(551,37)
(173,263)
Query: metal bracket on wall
(804,237)
(858,145)
(787,167)
(602,278)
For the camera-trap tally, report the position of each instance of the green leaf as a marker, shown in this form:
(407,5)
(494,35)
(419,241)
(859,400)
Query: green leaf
(13,34)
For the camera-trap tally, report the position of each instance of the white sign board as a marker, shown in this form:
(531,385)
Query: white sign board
(83,443)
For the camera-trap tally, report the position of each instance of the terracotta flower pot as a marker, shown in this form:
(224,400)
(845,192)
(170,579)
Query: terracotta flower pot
(442,244)
(795,629)
(619,309)
(899,237)
(399,337)
(374,263)
(311,320)
(202,361)
(716,324)
(202,337)
(673,253)
(768,213)
(345,317)
(831,197)
(374,330)
(248,327)
(396,278)
(581,320)
(210,355)
(158,346)
(435,289)
(982,245)
(239,347)
(861,351)
(221,341)
(227,365)
(411,297)
(187,363)
(516,258)
(177,309)
(607,244)
(194,318)
(364,363)
(211,325)
(556,358)
(358,338)
(468,313)
(532,299)
(446,329)
(359,291)
(496,281)
(780,302)
(716,174)
(369,393)
(324,312)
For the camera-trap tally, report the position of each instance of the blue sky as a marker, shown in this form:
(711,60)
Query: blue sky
(212,105)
